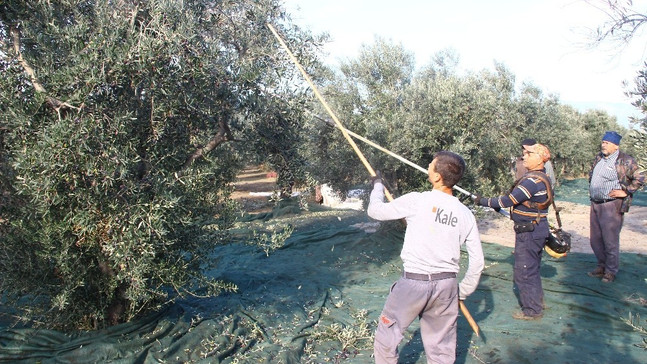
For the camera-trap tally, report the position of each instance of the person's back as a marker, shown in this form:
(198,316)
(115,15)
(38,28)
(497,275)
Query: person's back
(550,172)
(437,225)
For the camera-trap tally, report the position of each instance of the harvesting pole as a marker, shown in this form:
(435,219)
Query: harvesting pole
(350,140)
(328,109)
(402,159)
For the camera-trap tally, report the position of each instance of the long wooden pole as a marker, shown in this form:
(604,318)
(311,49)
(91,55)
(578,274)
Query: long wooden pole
(328,109)
(403,159)
(464,309)
(466,313)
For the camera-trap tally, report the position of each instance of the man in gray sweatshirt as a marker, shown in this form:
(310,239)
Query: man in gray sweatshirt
(437,225)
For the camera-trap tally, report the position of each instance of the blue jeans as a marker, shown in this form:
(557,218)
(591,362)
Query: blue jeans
(528,247)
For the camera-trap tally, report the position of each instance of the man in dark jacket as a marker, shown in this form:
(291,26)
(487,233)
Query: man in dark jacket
(613,179)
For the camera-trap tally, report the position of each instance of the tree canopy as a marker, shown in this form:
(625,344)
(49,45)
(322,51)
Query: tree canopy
(481,115)
(122,126)
(624,20)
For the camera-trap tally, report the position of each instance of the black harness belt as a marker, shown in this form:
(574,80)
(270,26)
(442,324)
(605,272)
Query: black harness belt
(602,201)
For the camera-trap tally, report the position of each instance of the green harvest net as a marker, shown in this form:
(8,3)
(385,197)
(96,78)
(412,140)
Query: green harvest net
(318,297)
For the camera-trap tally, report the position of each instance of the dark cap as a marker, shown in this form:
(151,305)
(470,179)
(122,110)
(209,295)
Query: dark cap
(528,142)
(612,137)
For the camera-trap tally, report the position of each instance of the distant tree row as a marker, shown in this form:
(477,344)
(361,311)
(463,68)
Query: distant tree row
(482,116)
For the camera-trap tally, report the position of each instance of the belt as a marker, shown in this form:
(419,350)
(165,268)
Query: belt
(429,277)
(603,200)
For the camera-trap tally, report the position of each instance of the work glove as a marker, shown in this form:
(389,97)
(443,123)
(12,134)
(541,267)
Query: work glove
(476,199)
(377,177)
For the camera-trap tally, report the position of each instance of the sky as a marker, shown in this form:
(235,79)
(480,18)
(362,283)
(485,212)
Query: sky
(543,42)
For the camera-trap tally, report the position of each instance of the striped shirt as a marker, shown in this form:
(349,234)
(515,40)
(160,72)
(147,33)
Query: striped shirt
(604,178)
(528,189)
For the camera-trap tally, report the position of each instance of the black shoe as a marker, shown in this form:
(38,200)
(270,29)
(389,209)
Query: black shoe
(598,272)
(608,277)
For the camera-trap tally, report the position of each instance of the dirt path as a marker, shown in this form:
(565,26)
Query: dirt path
(250,186)
(575,220)
(494,227)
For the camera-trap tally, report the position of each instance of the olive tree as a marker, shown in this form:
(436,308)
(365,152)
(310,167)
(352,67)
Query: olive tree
(638,137)
(483,116)
(122,126)
(366,94)
(622,27)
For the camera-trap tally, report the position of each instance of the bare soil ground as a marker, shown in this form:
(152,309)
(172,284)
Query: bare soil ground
(494,227)
(254,179)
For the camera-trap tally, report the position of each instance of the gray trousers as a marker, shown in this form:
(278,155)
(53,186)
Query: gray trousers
(435,303)
(605,225)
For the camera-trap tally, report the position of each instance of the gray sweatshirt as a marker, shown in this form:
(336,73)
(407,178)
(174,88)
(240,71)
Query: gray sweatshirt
(437,225)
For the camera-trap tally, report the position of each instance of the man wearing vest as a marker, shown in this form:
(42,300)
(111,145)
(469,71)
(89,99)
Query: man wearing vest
(529,199)
(613,179)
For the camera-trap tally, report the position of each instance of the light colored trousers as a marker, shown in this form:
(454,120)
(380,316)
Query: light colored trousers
(435,303)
